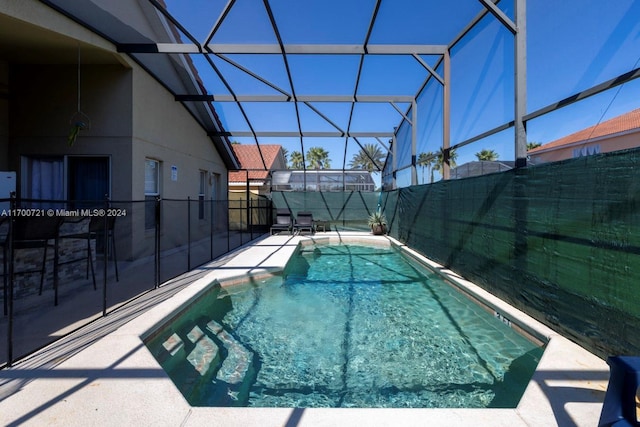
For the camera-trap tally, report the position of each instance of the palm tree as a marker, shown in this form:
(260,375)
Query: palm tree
(532,145)
(297,162)
(439,165)
(369,158)
(426,160)
(318,158)
(488,155)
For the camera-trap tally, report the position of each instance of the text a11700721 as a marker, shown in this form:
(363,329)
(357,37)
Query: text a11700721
(92,212)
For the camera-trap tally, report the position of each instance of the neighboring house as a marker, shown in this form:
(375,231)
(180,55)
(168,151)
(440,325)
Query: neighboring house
(255,176)
(252,183)
(480,167)
(139,142)
(619,133)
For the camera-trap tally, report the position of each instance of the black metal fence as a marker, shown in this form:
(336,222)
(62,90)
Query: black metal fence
(67,263)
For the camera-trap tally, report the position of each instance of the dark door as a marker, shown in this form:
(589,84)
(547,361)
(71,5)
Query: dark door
(88,180)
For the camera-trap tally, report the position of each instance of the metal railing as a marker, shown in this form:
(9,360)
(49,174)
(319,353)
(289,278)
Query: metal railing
(101,255)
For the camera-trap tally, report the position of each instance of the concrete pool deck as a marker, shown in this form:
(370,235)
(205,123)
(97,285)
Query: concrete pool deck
(116,380)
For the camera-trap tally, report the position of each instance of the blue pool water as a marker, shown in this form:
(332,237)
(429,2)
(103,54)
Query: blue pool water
(345,326)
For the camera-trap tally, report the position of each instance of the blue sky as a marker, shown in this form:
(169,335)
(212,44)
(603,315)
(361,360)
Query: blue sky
(572,45)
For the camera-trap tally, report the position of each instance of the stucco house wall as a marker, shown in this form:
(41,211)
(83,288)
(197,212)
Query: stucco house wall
(605,144)
(618,133)
(166,132)
(133,118)
(43,101)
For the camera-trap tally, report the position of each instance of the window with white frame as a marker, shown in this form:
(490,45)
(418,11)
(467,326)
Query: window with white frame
(43,180)
(201,193)
(151,191)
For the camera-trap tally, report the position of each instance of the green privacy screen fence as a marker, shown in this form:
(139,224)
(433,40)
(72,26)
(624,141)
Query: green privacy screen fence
(347,210)
(560,241)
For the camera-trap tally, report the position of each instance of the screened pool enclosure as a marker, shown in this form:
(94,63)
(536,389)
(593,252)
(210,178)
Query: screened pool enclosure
(429,85)
(401,98)
(322,180)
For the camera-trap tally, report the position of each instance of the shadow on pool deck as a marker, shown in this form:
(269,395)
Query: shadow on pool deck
(38,322)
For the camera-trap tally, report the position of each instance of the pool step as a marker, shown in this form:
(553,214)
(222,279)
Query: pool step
(208,364)
(205,352)
(203,359)
(172,352)
(237,368)
(173,345)
(191,357)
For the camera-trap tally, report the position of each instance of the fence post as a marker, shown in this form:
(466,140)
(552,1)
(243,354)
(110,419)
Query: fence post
(250,211)
(241,221)
(247,210)
(9,299)
(105,254)
(188,233)
(211,230)
(157,243)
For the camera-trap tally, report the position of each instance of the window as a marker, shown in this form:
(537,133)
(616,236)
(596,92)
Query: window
(151,191)
(201,193)
(586,150)
(43,178)
(81,180)
(151,177)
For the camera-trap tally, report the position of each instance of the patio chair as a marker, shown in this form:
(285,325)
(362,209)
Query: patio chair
(29,233)
(619,407)
(283,221)
(304,222)
(81,230)
(96,231)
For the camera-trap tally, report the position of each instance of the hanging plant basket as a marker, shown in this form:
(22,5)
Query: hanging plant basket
(78,121)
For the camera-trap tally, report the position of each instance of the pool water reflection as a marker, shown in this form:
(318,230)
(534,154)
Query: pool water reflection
(345,326)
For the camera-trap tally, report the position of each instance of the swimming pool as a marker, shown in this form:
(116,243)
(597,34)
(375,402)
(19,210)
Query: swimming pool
(345,326)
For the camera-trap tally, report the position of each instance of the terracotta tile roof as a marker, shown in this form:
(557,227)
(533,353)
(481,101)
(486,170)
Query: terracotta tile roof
(249,158)
(625,122)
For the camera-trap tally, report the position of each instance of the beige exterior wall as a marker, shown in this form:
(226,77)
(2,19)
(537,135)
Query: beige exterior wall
(606,144)
(40,16)
(46,99)
(237,208)
(133,117)
(239,189)
(165,131)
